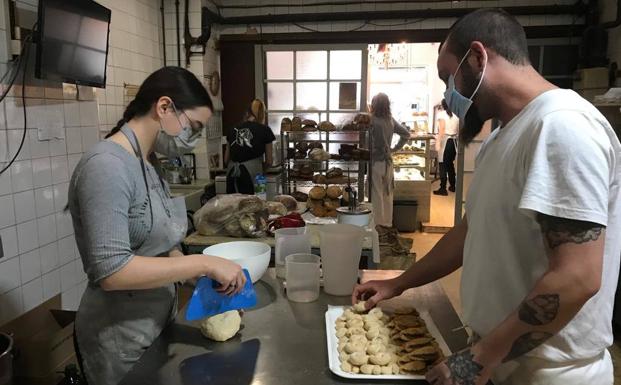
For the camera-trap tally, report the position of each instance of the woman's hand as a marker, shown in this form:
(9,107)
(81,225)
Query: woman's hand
(375,291)
(229,274)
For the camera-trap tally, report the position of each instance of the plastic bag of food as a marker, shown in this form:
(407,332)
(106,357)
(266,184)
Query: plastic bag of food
(233,215)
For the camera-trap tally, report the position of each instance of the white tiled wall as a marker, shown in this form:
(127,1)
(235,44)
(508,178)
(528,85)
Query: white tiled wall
(199,66)
(41,258)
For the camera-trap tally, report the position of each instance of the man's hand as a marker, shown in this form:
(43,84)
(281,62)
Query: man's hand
(462,368)
(375,291)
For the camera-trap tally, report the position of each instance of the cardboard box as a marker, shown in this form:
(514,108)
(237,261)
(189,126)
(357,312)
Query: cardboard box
(43,343)
(590,78)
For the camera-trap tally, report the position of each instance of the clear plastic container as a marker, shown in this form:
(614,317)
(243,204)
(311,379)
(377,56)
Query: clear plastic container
(341,248)
(302,277)
(290,241)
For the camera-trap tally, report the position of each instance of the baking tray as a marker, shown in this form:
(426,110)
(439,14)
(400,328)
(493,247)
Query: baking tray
(335,312)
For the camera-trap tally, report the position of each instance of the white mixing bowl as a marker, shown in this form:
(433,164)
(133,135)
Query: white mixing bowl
(253,256)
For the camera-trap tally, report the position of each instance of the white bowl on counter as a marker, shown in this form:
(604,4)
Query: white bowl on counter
(253,256)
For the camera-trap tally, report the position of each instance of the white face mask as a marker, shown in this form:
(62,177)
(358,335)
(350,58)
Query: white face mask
(176,146)
(456,102)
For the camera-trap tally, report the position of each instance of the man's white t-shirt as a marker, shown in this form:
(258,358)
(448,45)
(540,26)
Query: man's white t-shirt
(560,157)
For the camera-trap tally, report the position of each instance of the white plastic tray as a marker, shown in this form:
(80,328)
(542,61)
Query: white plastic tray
(335,312)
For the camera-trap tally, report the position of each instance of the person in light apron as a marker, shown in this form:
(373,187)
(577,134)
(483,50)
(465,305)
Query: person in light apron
(383,128)
(448,127)
(249,150)
(539,244)
(128,229)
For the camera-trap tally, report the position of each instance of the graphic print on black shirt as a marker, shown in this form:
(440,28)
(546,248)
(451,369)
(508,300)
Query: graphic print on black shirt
(247,141)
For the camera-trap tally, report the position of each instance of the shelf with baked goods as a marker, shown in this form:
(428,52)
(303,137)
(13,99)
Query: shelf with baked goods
(309,152)
(415,154)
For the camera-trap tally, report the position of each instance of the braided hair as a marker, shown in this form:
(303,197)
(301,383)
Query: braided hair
(177,83)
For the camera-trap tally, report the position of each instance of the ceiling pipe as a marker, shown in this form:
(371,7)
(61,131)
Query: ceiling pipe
(576,9)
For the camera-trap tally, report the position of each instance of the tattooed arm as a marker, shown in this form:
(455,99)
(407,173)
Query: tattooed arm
(575,251)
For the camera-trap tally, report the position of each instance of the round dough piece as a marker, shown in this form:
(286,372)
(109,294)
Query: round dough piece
(355,369)
(341,332)
(358,339)
(355,323)
(372,333)
(343,356)
(221,327)
(375,348)
(367,369)
(353,347)
(358,358)
(382,358)
(346,367)
(376,313)
(387,370)
(377,370)
(372,325)
(360,307)
(348,314)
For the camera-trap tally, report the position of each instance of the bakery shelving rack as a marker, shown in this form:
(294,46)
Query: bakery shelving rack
(358,171)
(417,155)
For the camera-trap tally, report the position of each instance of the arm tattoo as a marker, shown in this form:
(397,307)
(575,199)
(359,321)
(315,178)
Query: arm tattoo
(558,231)
(526,343)
(464,370)
(539,310)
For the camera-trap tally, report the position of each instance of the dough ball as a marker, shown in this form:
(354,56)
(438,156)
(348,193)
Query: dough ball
(355,369)
(375,348)
(367,369)
(382,358)
(343,357)
(221,327)
(376,313)
(341,332)
(355,323)
(358,358)
(355,331)
(387,370)
(346,367)
(360,307)
(352,347)
(395,368)
(340,324)
(341,318)
(348,314)
(358,339)
(372,325)
(381,339)
(377,370)
(372,334)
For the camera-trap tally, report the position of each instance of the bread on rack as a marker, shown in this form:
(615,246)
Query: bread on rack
(320,179)
(317,192)
(334,172)
(334,192)
(285,125)
(296,124)
(326,126)
(309,122)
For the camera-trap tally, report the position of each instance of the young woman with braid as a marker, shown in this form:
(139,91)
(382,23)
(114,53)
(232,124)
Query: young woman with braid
(128,228)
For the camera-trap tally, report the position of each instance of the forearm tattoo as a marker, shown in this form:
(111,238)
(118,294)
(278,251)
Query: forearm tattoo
(464,370)
(558,231)
(526,343)
(539,310)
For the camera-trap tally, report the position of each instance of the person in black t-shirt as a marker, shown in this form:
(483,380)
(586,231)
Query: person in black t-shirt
(249,150)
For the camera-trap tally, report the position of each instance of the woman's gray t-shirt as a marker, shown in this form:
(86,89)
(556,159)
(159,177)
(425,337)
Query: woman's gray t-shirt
(110,209)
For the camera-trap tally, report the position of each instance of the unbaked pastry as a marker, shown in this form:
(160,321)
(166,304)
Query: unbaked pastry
(358,358)
(221,327)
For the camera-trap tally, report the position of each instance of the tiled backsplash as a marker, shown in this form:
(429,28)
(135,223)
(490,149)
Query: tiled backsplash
(40,254)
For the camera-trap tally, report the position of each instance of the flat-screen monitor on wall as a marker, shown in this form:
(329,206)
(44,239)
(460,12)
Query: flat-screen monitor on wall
(73,42)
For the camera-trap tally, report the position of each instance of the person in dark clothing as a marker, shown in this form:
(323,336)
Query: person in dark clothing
(448,127)
(249,150)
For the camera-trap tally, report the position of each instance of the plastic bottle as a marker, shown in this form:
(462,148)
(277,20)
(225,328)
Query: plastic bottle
(260,186)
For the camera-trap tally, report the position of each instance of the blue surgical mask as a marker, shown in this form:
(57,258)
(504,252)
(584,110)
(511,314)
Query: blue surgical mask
(175,146)
(456,102)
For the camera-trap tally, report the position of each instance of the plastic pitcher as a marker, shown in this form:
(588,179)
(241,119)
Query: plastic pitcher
(302,276)
(290,241)
(341,248)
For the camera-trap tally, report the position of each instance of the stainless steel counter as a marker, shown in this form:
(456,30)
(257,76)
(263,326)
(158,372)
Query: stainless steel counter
(281,343)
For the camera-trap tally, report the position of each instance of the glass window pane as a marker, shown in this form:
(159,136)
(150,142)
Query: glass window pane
(311,96)
(344,96)
(311,64)
(340,119)
(279,65)
(345,65)
(274,119)
(280,96)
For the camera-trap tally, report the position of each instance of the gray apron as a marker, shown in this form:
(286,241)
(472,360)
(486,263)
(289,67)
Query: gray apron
(114,328)
(254,167)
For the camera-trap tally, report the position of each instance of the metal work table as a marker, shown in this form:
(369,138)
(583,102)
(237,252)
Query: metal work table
(281,342)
